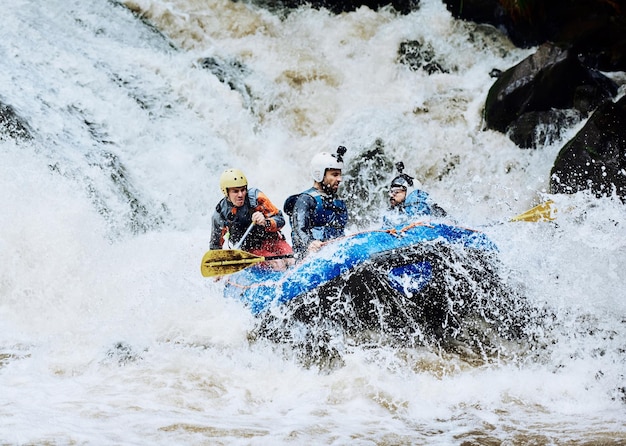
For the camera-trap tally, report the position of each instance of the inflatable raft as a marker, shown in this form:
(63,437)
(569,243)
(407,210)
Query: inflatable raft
(400,258)
(416,283)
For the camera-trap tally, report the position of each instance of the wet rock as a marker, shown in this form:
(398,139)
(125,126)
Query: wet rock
(366,182)
(232,73)
(122,353)
(595,29)
(551,78)
(539,128)
(12,125)
(599,38)
(495,73)
(595,159)
(337,7)
(419,56)
(479,11)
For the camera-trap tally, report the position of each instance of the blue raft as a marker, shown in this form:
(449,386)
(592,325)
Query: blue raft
(421,283)
(396,256)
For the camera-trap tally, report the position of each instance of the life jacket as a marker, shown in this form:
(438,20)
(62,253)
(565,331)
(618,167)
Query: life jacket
(417,204)
(420,202)
(328,218)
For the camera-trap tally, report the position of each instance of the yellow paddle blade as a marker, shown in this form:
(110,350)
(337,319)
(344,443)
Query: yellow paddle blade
(542,212)
(218,262)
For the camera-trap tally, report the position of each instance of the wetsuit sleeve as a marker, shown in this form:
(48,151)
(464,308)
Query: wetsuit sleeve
(271,213)
(217,231)
(301,223)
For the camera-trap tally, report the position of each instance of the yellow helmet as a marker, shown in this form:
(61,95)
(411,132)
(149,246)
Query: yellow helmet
(232,178)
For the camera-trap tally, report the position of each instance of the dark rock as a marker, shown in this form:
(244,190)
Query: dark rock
(595,159)
(523,30)
(552,78)
(227,71)
(479,11)
(595,29)
(599,39)
(495,73)
(337,7)
(366,184)
(232,73)
(539,128)
(419,56)
(122,354)
(12,125)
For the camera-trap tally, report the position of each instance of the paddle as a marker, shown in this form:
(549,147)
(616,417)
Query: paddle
(219,262)
(542,212)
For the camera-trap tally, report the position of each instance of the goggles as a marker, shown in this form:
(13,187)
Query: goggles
(396,190)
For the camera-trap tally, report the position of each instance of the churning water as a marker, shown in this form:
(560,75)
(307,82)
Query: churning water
(110,335)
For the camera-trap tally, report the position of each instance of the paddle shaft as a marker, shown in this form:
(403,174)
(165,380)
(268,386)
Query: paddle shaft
(243,237)
(281,256)
(253,260)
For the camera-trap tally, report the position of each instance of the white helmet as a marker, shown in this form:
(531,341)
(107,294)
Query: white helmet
(325,160)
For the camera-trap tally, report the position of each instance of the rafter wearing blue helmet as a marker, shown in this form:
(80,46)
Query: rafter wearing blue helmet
(404,206)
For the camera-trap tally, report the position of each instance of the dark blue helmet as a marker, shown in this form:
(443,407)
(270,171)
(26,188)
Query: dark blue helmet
(402,180)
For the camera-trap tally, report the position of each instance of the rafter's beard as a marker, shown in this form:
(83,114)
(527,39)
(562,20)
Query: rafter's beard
(395,204)
(328,189)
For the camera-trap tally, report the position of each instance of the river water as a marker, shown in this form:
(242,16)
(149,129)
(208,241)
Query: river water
(110,335)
